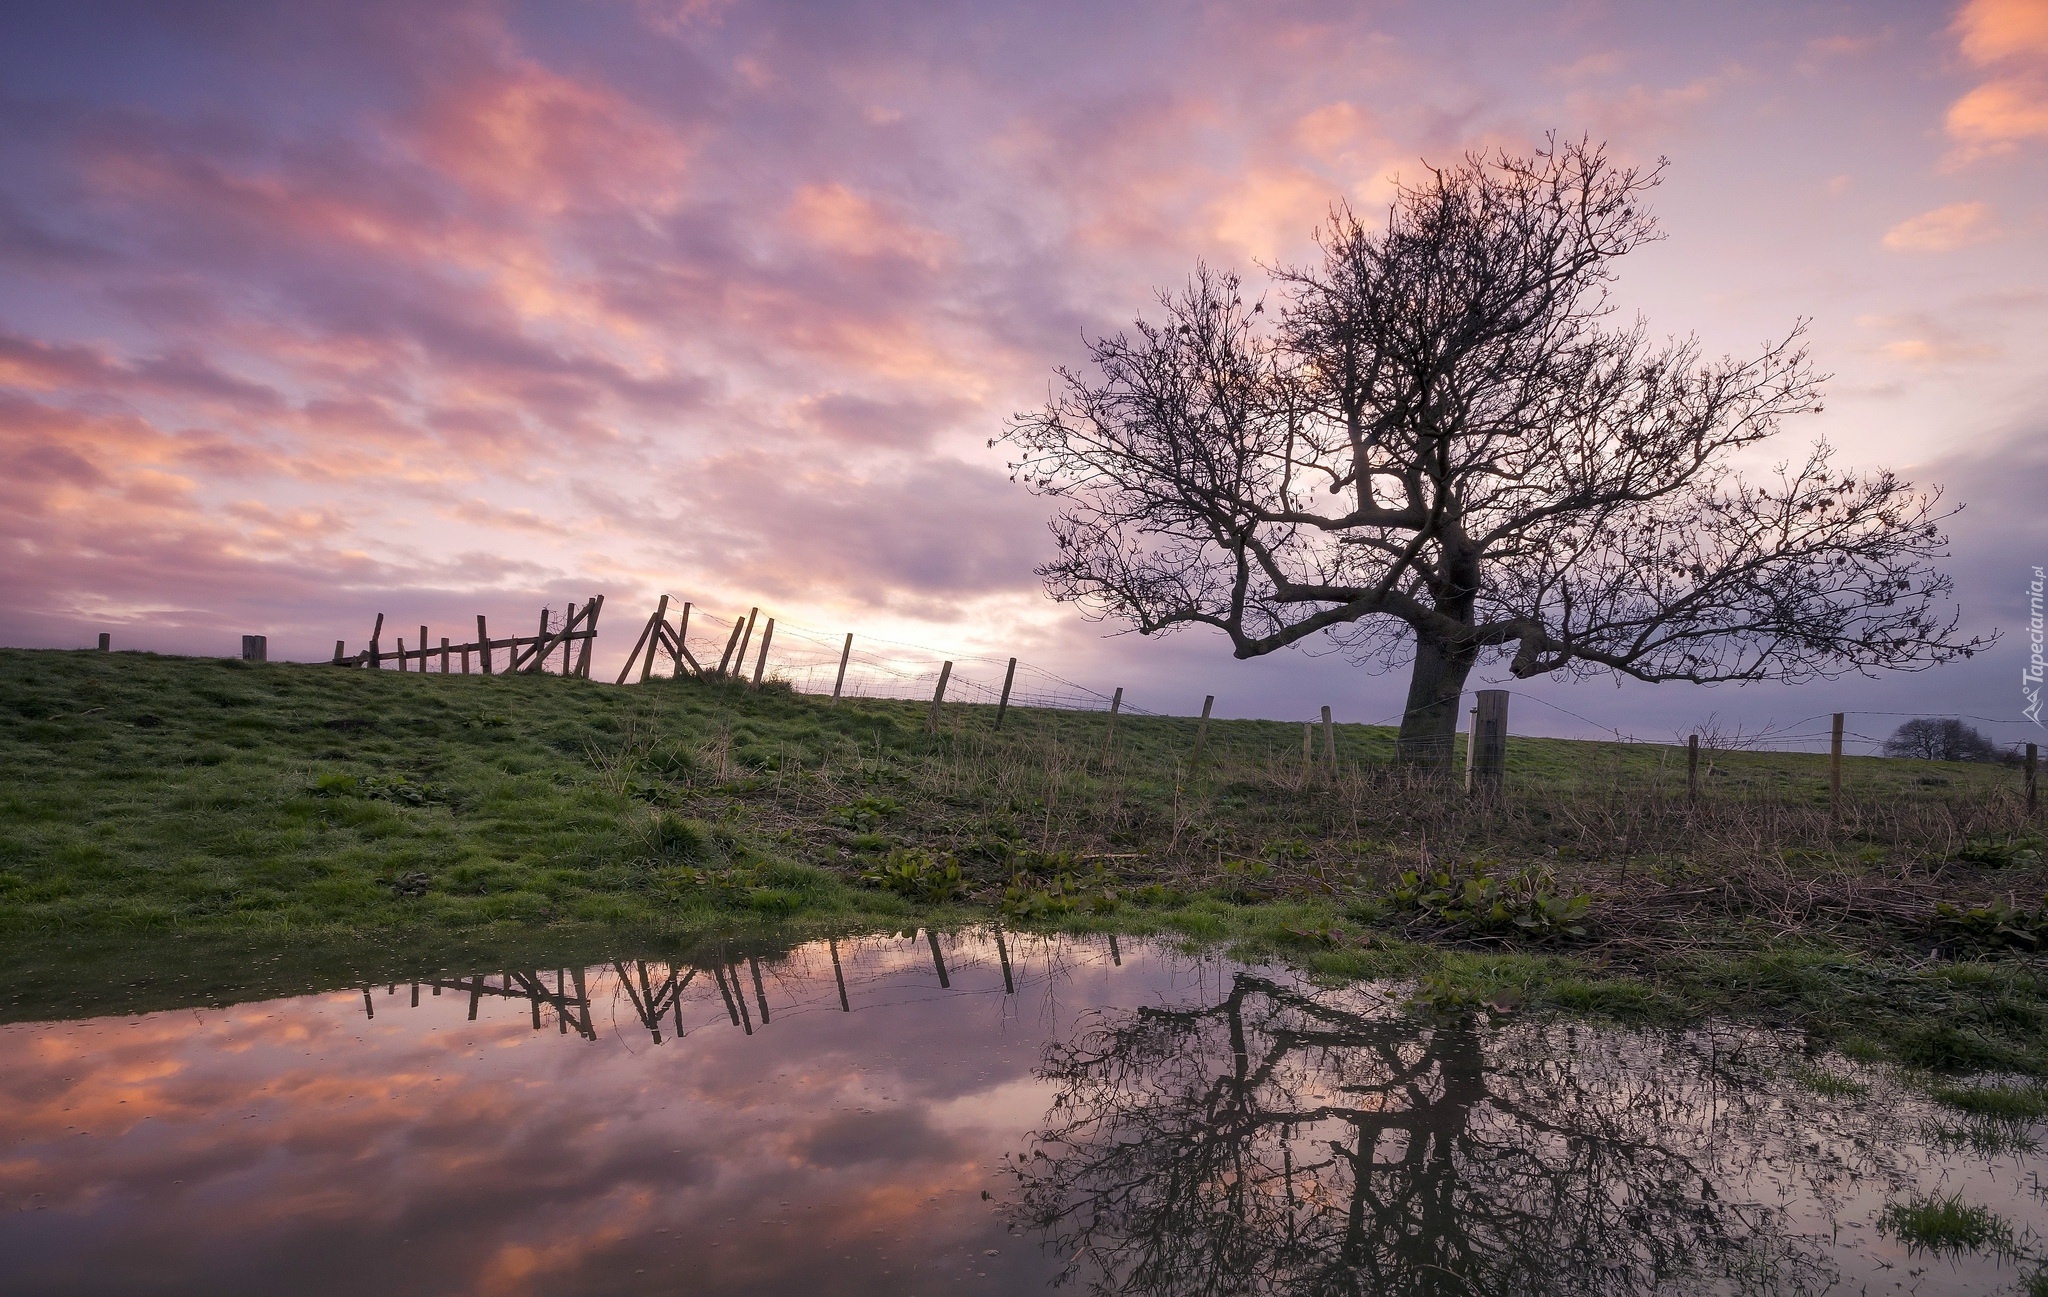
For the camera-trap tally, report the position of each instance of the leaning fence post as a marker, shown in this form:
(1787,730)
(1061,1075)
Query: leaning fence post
(761,662)
(1835,766)
(483,643)
(590,612)
(739,662)
(1202,730)
(731,642)
(1003,704)
(844,653)
(654,627)
(682,629)
(931,722)
(1116,703)
(1692,769)
(376,653)
(1490,730)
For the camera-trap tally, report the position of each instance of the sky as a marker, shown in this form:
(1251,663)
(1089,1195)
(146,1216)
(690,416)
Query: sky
(317,311)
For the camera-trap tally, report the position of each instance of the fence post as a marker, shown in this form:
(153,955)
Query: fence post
(1116,703)
(1490,737)
(1003,704)
(590,612)
(1329,743)
(1835,767)
(1308,753)
(739,661)
(761,663)
(654,626)
(340,648)
(2033,787)
(845,654)
(483,643)
(376,650)
(682,629)
(1471,744)
(107,645)
(931,722)
(444,655)
(540,637)
(255,648)
(401,653)
(1202,730)
(731,642)
(1692,769)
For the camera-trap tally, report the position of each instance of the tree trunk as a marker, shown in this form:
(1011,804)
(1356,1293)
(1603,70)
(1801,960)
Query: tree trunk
(1430,725)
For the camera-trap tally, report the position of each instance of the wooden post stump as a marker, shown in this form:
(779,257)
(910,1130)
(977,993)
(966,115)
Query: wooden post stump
(845,654)
(931,722)
(1003,704)
(255,648)
(1489,760)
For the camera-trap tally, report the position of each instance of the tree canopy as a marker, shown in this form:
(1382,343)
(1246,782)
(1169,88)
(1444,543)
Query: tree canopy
(1436,444)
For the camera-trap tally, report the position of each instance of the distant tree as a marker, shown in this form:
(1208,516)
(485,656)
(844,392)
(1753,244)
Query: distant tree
(1940,739)
(1436,448)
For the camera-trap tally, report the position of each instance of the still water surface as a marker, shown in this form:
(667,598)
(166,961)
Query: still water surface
(961,1114)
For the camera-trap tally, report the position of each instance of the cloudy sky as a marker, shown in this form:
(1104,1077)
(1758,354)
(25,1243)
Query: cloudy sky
(309,312)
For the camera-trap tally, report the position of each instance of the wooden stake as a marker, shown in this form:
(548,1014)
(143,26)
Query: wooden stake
(1202,730)
(938,960)
(340,647)
(739,662)
(1835,766)
(845,653)
(539,639)
(401,653)
(2033,786)
(1471,744)
(1692,768)
(444,655)
(761,663)
(638,644)
(1329,743)
(838,976)
(759,994)
(1116,704)
(680,653)
(423,650)
(732,642)
(376,657)
(465,659)
(1490,730)
(590,612)
(931,722)
(1308,747)
(1003,704)
(483,643)
(1003,953)
(567,639)
(660,620)
(107,645)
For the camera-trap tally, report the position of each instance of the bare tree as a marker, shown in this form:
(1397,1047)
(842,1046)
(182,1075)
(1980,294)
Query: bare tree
(1437,446)
(1940,739)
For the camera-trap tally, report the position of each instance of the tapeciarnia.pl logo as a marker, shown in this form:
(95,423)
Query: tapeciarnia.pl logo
(2030,679)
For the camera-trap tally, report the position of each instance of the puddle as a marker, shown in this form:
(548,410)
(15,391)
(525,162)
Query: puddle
(911,1114)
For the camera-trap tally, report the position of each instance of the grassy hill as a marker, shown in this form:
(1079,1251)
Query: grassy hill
(147,799)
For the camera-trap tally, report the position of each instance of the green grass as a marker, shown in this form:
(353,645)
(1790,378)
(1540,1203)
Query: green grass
(152,804)
(1946,1225)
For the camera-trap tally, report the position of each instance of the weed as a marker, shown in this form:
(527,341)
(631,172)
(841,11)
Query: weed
(2003,1102)
(1486,900)
(1945,1224)
(917,873)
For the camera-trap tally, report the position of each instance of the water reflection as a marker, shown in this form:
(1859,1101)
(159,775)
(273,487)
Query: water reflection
(846,1116)
(1282,1140)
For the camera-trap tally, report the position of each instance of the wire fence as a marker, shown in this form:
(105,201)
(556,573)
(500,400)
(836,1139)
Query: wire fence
(809,659)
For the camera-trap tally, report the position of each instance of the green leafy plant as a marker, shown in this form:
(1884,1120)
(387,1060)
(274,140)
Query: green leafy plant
(1999,925)
(1484,899)
(866,814)
(2002,853)
(1032,896)
(917,873)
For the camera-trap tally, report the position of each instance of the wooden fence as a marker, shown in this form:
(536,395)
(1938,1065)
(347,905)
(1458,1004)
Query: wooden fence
(529,654)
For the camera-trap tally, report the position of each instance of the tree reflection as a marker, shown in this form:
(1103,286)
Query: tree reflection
(1281,1142)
